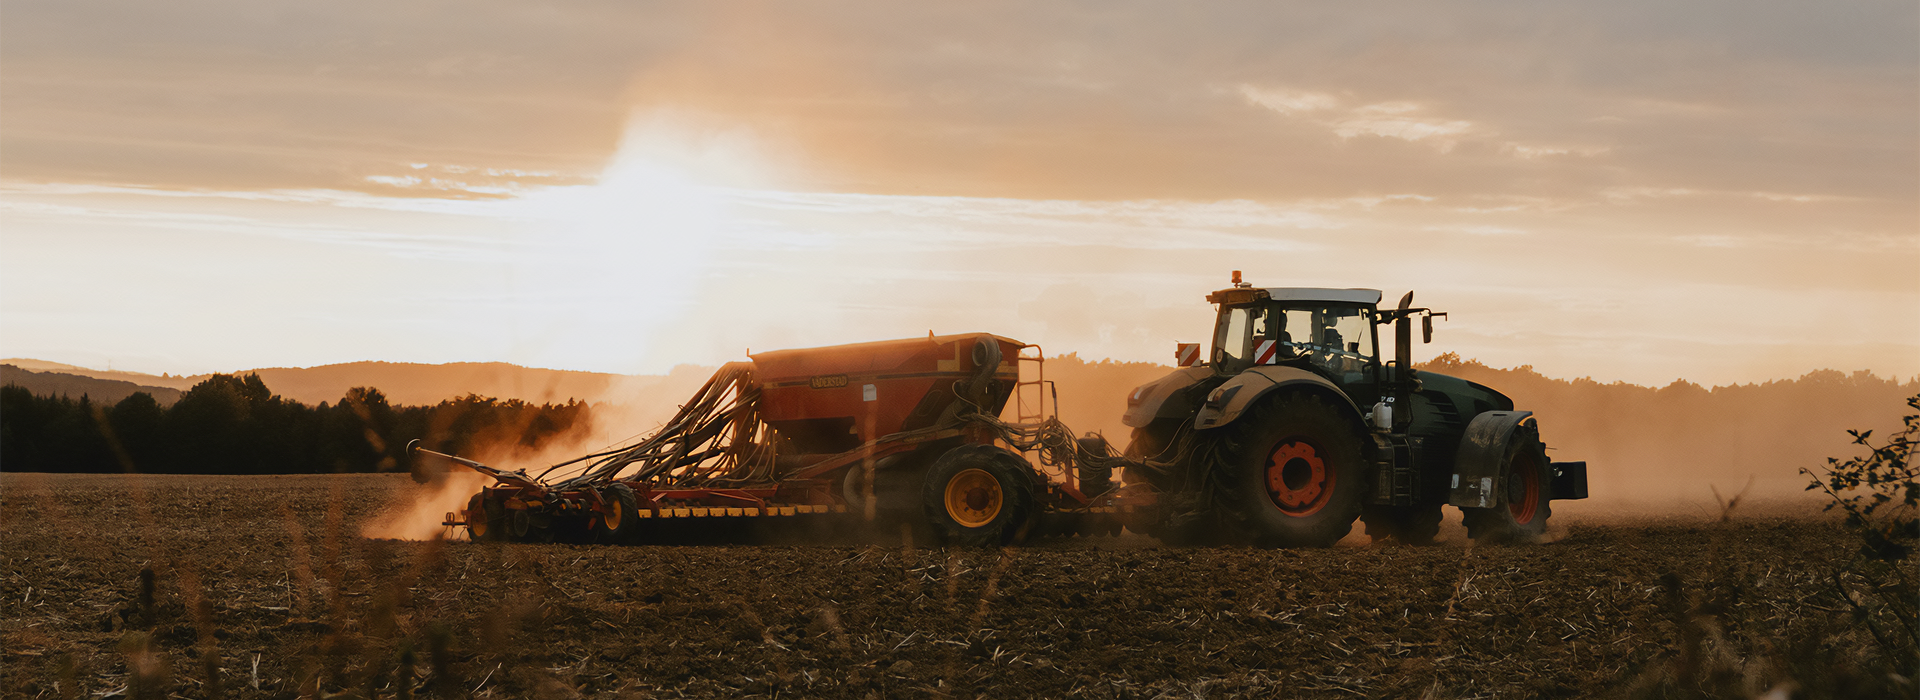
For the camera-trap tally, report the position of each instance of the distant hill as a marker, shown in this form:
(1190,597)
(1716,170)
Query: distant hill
(173,381)
(425,385)
(41,365)
(403,383)
(100,391)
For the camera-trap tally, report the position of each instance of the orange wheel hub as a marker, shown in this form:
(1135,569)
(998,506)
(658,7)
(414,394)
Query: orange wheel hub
(1523,499)
(973,498)
(1298,479)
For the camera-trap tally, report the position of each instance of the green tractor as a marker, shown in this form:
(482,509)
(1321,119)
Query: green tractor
(1294,427)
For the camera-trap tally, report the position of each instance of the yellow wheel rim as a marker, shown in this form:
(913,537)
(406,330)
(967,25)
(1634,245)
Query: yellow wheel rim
(611,519)
(477,524)
(973,498)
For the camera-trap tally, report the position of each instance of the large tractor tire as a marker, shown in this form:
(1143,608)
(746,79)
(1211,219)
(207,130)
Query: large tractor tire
(1528,480)
(622,521)
(1413,525)
(979,496)
(1297,476)
(486,520)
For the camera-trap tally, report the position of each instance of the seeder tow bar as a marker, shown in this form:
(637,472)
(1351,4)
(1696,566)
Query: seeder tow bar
(503,476)
(903,432)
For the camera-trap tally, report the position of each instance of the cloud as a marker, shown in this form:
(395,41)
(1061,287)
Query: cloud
(1399,119)
(1402,120)
(1407,121)
(1628,194)
(1289,101)
(1538,151)
(1011,101)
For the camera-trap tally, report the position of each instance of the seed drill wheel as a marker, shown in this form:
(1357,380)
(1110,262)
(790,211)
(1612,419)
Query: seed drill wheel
(978,495)
(621,521)
(1296,478)
(1523,518)
(520,525)
(485,521)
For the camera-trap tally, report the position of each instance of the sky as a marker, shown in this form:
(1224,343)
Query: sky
(1720,192)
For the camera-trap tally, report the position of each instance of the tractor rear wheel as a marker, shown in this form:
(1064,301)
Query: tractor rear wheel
(1414,525)
(622,520)
(978,495)
(1296,477)
(1528,481)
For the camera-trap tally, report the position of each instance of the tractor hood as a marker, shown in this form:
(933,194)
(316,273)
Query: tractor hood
(1465,393)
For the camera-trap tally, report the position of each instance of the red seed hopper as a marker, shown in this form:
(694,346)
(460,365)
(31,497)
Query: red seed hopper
(836,398)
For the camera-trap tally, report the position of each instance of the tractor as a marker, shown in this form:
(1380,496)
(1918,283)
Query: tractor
(1295,426)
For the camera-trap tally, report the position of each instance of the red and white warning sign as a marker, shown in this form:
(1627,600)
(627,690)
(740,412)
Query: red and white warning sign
(1187,354)
(1266,354)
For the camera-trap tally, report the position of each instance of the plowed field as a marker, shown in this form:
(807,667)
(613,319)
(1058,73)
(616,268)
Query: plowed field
(263,587)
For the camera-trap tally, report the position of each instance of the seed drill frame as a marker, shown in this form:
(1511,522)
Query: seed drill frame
(833,431)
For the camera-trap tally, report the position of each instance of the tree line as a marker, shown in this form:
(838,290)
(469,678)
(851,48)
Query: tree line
(232,424)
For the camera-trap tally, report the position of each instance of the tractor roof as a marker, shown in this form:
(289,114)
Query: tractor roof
(1242,295)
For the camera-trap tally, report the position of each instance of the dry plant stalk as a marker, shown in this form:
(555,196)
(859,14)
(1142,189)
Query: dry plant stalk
(1727,505)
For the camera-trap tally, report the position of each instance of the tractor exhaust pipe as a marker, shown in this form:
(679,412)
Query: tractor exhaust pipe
(1403,365)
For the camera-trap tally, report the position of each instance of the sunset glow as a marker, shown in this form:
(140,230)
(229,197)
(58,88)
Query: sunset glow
(1641,195)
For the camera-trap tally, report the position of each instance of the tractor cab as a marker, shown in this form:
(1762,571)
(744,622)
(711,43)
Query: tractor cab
(1326,331)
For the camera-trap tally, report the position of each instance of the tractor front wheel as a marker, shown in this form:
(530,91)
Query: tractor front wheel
(1297,477)
(978,495)
(1527,477)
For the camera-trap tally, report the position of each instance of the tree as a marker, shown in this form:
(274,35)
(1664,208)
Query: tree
(138,424)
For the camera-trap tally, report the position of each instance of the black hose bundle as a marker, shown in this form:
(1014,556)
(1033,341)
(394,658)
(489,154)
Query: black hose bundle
(720,420)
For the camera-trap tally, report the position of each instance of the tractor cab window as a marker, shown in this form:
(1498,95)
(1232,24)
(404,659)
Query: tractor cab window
(1233,342)
(1336,337)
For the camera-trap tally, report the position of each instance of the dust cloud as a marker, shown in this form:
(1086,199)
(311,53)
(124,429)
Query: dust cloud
(418,517)
(1682,451)
(627,409)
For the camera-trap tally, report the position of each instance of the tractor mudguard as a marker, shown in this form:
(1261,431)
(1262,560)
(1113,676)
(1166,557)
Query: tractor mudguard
(1483,449)
(1226,403)
(1145,401)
